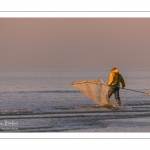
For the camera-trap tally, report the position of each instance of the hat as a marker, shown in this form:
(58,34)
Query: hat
(115,69)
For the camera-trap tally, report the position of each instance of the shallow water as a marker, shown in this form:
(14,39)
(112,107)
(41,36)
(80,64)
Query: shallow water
(45,101)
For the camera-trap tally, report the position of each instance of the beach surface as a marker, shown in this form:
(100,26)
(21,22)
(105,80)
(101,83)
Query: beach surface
(45,101)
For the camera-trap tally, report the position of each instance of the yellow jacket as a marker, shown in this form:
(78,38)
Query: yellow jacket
(115,77)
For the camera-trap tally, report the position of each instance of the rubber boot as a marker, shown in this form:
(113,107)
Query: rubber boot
(118,102)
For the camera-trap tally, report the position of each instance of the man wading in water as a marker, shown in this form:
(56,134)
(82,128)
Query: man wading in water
(114,79)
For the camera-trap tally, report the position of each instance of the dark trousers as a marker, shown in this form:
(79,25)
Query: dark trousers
(114,89)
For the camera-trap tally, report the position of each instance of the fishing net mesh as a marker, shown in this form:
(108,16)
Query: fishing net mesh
(95,90)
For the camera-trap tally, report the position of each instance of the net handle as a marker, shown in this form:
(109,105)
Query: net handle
(138,91)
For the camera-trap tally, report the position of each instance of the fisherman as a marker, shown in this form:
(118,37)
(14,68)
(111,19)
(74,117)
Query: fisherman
(114,79)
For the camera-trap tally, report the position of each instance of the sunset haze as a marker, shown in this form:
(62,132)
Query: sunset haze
(74,42)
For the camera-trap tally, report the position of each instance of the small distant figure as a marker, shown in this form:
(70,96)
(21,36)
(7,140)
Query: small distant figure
(114,81)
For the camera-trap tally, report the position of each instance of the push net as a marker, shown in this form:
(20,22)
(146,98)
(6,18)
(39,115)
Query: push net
(96,90)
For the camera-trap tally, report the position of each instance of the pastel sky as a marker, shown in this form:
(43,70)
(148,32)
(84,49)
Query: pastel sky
(74,42)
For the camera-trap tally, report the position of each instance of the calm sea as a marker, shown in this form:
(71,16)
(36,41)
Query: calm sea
(43,100)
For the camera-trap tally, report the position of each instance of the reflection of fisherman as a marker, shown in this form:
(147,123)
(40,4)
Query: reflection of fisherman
(114,79)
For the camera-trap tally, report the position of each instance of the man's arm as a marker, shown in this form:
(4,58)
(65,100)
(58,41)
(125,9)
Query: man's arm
(110,79)
(122,82)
